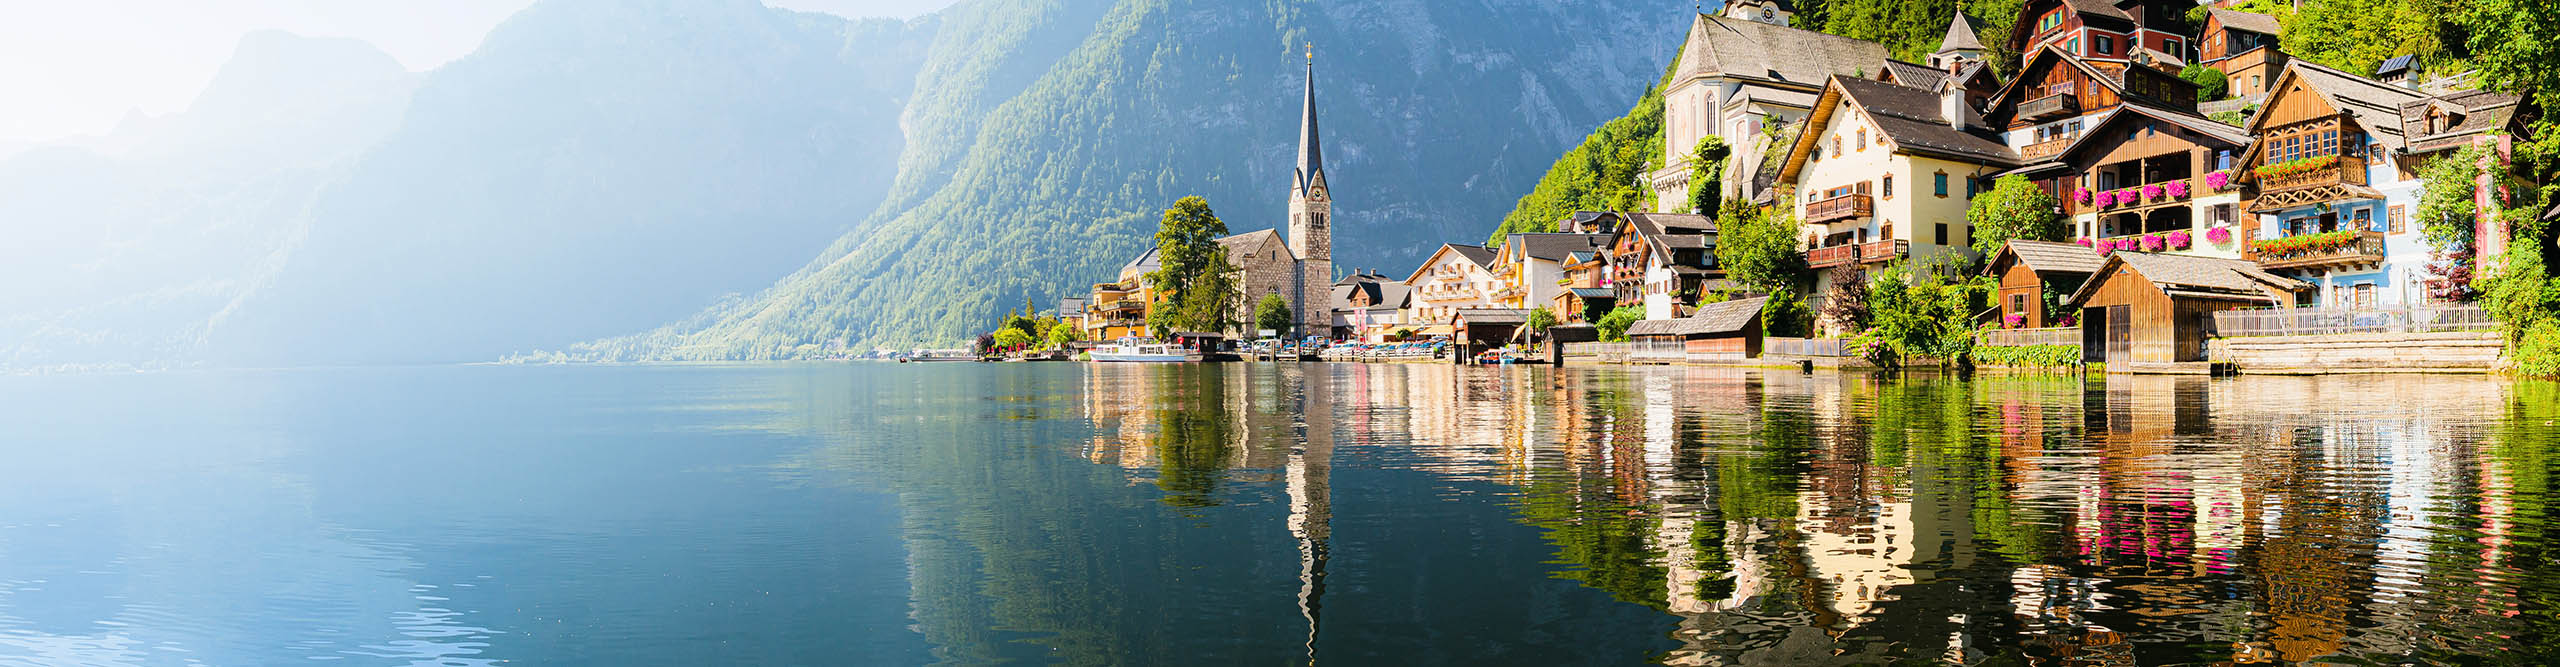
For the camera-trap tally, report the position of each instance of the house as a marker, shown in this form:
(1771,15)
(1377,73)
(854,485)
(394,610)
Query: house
(2147,308)
(2402,70)
(2033,272)
(2156,179)
(1373,306)
(1722,330)
(1736,76)
(1118,308)
(2439,125)
(2058,96)
(1885,172)
(1531,266)
(1585,295)
(1662,261)
(2332,205)
(1071,311)
(1455,276)
(1479,329)
(2117,29)
(2242,46)
(1960,62)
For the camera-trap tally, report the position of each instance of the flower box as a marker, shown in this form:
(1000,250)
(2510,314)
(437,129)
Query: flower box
(2178,240)
(2151,193)
(2218,235)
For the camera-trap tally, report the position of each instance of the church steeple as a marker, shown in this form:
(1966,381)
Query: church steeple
(1310,146)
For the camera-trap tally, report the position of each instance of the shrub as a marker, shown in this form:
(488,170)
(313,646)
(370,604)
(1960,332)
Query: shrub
(2538,354)
(1613,326)
(2027,355)
(2085,242)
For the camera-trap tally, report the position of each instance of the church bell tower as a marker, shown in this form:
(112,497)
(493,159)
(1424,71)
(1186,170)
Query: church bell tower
(1311,221)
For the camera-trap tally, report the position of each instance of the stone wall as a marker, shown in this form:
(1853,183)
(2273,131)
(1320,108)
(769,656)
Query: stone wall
(2457,352)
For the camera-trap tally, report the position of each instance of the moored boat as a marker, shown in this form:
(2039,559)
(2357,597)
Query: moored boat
(1136,350)
(939,355)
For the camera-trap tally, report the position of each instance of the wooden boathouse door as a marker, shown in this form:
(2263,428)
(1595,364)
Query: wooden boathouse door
(2119,334)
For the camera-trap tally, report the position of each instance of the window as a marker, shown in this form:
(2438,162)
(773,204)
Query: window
(2221,213)
(1888,186)
(2222,159)
(2399,218)
(1835,145)
(1862,138)
(2170,46)
(1942,233)
(1940,183)
(2364,219)
(2074,47)
(1972,186)
(2105,45)
(2018,304)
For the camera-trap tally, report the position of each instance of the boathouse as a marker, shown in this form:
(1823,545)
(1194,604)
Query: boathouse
(1478,329)
(1723,330)
(2029,270)
(2145,308)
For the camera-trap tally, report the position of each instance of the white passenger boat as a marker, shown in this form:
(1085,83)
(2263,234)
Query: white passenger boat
(938,355)
(1132,349)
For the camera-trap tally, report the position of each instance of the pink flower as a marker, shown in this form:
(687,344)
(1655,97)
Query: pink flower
(2106,199)
(2151,192)
(2152,242)
(2218,180)
(2084,242)
(2218,235)
(2179,239)
(2177,188)
(2106,248)
(2017,320)
(2082,194)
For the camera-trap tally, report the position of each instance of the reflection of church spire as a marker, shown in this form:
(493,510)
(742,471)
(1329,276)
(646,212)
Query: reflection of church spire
(1311,504)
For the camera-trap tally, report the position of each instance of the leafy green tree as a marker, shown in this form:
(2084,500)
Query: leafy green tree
(2014,209)
(1758,251)
(2448,215)
(1010,338)
(1786,315)
(1918,313)
(1613,326)
(1540,320)
(1064,332)
(1274,313)
(1198,282)
(2357,35)
(2210,83)
(1706,174)
(2515,46)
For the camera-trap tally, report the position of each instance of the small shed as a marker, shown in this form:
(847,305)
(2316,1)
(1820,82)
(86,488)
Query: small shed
(2026,268)
(1479,329)
(2144,307)
(1723,330)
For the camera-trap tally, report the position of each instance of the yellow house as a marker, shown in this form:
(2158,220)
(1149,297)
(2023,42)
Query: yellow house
(1884,172)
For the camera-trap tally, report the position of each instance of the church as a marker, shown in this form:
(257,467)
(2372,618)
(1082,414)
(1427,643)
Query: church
(1298,267)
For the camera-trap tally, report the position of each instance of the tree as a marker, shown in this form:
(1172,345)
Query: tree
(1064,332)
(1613,326)
(2015,209)
(1540,320)
(1756,250)
(1274,313)
(1706,174)
(2515,45)
(1197,281)
(2357,35)
(2210,82)
(1785,315)
(2448,214)
(1010,338)
(1846,306)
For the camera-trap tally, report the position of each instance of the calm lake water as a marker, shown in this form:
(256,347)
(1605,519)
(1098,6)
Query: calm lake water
(1269,513)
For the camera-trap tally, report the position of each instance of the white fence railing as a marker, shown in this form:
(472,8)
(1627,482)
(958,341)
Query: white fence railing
(2320,321)
(1803,347)
(2023,337)
(1629,351)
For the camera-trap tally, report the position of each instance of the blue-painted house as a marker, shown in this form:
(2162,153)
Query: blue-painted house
(2334,188)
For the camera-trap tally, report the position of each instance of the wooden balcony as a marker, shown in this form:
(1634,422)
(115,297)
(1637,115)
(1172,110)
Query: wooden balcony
(2343,179)
(1876,252)
(1843,207)
(2049,107)
(2045,149)
(2366,249)
(2344,171)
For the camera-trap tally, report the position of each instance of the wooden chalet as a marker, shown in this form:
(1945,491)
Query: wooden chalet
(1657,258)
(2146,308)
(2029,271)
(2120,29)
(2058,97)
(2145,171)
(1722,330)
(2242,46)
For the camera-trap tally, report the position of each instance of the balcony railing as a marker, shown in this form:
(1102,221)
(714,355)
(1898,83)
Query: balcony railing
(2339,171)
(2049,107)
(1843,207)
(2045,149)
(1876,252)
(2321,321)
(2319,250)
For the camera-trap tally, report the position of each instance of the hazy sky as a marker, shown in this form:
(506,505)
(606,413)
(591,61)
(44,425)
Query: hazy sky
(72,67)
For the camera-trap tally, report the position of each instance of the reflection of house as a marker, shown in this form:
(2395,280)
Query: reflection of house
(2031,271)
(1455,276)
(1735,77)
(1724,330)
(2147,174)
(2149,308)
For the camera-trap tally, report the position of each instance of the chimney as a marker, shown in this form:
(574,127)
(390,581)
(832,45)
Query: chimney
(1951,106)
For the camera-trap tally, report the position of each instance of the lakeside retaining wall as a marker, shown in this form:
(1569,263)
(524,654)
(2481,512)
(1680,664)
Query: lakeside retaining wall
(2447,352)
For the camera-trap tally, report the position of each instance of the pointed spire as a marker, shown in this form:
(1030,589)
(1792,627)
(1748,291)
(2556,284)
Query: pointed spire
(1960,36)
(1310,148)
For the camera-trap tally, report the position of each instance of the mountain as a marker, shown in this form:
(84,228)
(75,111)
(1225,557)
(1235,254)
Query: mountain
(1437,115)
(124,246)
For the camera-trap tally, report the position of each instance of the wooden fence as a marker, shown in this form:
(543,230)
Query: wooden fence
(1803,347)
(2024,337)
(2324,321)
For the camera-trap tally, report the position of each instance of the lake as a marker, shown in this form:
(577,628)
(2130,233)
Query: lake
(1269,513)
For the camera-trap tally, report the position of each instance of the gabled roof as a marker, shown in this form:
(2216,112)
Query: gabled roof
(1147,262)
(2479,111)
(2227,135)
(2396,64)
(1478,255)
(2188,273)
(2047,257)
(1491,315)
(1909,117)
(2100,13)
(2245,21)
(1713,318)
(1665,232)
(1912,74)
(1593,292)
(1959,35)
(2374,105)
(1752,50)
(1554,246)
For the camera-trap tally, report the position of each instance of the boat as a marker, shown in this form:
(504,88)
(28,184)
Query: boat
(1139,350)
(938,355)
